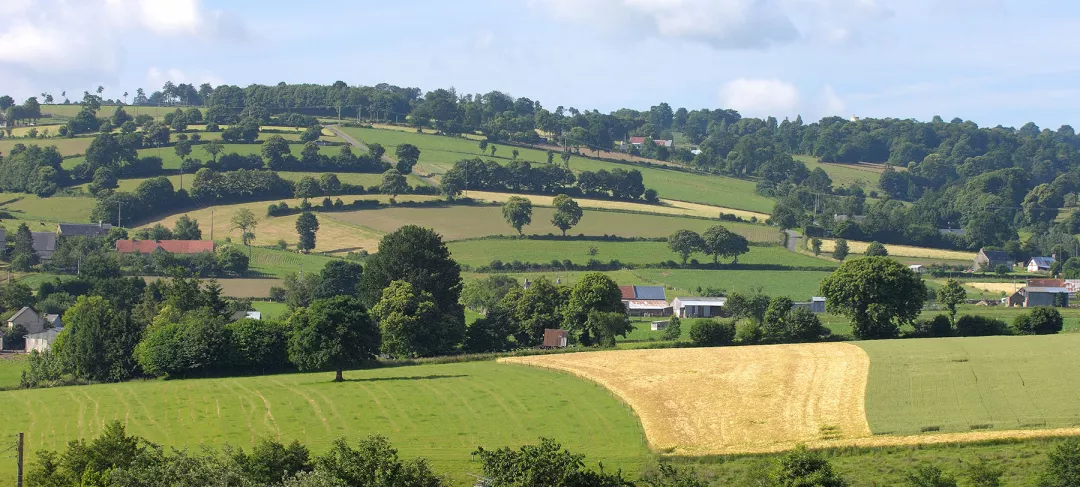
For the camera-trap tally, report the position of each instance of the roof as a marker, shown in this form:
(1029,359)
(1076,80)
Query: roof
(650,292)
(702,301)
(915,266)
(627,292)
(1042,261)
(1045,283)
(171,246)
(648,304)
(995,254)
(665,143)
(84,229)
(52,318)
(816,299)
(637,140)
(44,241)
(253,315)
(1047,290)
(21,312)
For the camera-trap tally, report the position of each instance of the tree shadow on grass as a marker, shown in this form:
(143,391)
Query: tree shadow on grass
(415,377)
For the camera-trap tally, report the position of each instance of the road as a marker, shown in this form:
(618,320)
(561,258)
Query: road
(793,238)
(356,143)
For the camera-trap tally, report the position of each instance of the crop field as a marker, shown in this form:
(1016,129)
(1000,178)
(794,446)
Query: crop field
(69,111)
(281,262)
(797,285)
(461,222)
(706,401)
(239,287)
(669,207)
(856,247)
(439,153)
(966,385)
(41,128)
(394,402)
(482,252)
(53,209)
(66,146)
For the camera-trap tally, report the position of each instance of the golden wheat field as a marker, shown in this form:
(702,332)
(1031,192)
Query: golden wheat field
(729,400)
(670,207)
(855,247)
(996,287)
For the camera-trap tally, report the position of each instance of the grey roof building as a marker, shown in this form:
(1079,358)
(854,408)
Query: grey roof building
(83,229)
(44,244)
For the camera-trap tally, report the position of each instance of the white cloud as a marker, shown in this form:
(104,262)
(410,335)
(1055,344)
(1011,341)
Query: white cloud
(831,103)
(156,78)
(760,97)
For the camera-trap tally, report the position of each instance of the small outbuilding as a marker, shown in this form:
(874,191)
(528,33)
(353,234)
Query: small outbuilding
(698,307)
(41,342)
(555,338)
(1040,264)
(659,325)
(1045,296)
(917,268)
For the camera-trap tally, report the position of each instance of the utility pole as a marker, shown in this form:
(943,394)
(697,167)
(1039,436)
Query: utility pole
(118,206)
(211,224)
(181,174)
(19,454)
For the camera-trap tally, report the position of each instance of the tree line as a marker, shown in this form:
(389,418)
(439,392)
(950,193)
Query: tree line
(550,178)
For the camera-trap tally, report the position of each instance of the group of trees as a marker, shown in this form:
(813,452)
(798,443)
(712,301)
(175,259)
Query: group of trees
(524,176)
(717,241)
(517,211)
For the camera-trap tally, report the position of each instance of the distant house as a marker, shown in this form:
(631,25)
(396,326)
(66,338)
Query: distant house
(1040,264)
(1013,300)
(640,141)
(698,307)
(170,246)
(555,338)
(41,342)
(645,300)
(917,268)
(29,319)
(988,260)
(44,244)
(248,315)
(815,305)
(83,229)
(53,321)
(844,218)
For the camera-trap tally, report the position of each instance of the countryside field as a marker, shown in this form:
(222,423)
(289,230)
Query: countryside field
(31,208)
(797,285)
(669,207)
(395,402)
(364,179)
(856,247)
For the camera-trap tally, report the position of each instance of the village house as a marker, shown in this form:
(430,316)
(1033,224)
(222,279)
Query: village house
(988,260)
(98,229)
(688,307)
(645,301)
(1040,264)
(44,244)
(29,319)
(170,246)
(640,141)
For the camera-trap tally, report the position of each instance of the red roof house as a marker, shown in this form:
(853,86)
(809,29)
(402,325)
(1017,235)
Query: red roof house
(628,292)
(170,246)
(637,140)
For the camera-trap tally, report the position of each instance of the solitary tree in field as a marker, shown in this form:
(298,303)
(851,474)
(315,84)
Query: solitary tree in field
(333,334)
(407,155)
(493,149)
(567,213)
(719,241)
(393,184)
(214,147)
(875,249)
(878,294)
(565,158)
(306,227)
(515,154)
(182,149)
(517,211)
(684,243)
(245,221)
(815,246)
(950,295)
(483,146)
(550,156)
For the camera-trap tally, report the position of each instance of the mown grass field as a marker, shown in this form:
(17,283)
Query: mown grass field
(69,111)
(461,222)
(972,384)
(855,247)
(66,146)
(797,285)
(440,412)
(33,209)
(11,367)
(169,159)
(439,153)
(281,262)
(668,207)
(270,310)
(864,175)
(482,252)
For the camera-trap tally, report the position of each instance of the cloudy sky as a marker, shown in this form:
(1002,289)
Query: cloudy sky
(992,61)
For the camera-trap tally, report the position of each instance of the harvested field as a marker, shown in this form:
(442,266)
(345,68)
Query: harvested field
(856,247)
(241,288)
(995,287)
(735,399)
(670,207)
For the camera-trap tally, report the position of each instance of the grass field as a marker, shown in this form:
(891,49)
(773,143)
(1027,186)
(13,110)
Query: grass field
(11,367)
(973,384)
(461,222)
(439,153)
(395,402)
(270,310)
(669,207)
(280,262)
(855,247)
(364,179)
(69,111)
(797,285)
(66,146)
(482,252)
(32,208)
(169,159)
(864,175)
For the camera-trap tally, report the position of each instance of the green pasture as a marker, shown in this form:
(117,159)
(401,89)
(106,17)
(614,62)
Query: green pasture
(281,262)
(568,278)
(32,208)
(482,251)
(1071,315)
(845,174)
(362,179)
(439,153)
(11,368)
(461,222)
(270,310)
(69,111)
(169,159)
(967,384)
(66,146)
(797,285)
(440,412)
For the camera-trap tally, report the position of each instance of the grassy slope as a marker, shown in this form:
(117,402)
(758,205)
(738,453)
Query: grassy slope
(11,367)
(798,285)
(438,154)
(67,147)
(35,210)
(396,402)
(957,383)
(482,252)
(364,179)
(281,262)
(169,159)
(845,174)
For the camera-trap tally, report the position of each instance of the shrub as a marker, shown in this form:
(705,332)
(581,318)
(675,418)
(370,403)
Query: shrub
(1040,321)
(938,326)
(974,326)
(673,330)
(748,333)
(712,333)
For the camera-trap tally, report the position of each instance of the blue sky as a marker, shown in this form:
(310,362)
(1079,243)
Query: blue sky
(992,61)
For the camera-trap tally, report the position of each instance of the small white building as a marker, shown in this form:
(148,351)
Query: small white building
(659,325)
(1040,264)
(41,342)
(917,268)
(698,307)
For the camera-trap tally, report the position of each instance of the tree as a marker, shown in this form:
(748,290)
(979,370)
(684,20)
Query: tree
(840,249)
(718,241)
(376,151)
(1062,466)
(514,153)
(307,187)
(674,329)
(182,148)
(372,463)
(685,243)
(333,334)
(950,295)
(98,340)
(24,245)
(245,221)
(567,213)
(982,473)
(483,144)
(306,227)
(338,278)
(877,293)
(408,155)
(595,292)
(186,229)
(274,149)
(815,246)
(409,321)
(517,211)
(493,149)
(329,184)
(802,467)
(545,465)
(927,475)
(712,333)
(213,147)
(1042,320)
(393,183)
(875,249)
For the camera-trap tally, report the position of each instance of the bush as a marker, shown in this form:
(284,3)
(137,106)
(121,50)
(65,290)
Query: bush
(1040,321)
(748,333)
(938,326)
(712,333)
(975,326)
(673,330)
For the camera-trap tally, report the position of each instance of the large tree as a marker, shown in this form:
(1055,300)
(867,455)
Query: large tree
(393,183)
(950,295)
(407,155)
(877,293)
(409,321)
(517,211)
(338,278)
(186,228)
(567,213)
(333,334)
(98,341)
(307,225)
(594,293)
(719,241)
(684,243)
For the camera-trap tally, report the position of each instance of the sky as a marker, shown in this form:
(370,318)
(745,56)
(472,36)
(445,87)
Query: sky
(995,62)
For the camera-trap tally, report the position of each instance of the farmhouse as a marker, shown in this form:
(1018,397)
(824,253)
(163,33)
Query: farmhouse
(815,305)
(645,300)
(988,260)
(170,246)
(44,244)
(917,268)
(29,319)
(698,307)
(1040,264)
(248,315)
(639,141)
(41,342)
(98,229)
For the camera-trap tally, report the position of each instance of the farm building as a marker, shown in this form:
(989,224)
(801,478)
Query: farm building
(815,305)
(659,325)
(1040,264)
(98,229)
(555,338)
(698,307)
(988,260)
(645,300)
(41,342)
(917,268)
(170,246)
(44,244)
(1045,296)
(248,315)
(640,141)
(29,319)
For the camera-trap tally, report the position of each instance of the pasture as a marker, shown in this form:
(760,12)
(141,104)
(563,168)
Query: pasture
(439,153)
(278,263)
(169,159)
(864,175)
(66,146)
(395,402)
(11,367)
(668,207)
(362,179)
(461,222)
(270,310)
(69,111)
(32,208)
(797,285)
(481,252)
(856,247)
(972,385)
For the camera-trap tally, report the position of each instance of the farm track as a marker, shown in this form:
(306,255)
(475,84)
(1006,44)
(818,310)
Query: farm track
(356,143)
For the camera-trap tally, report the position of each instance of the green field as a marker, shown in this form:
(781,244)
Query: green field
(797,285)
(281,262)
(270,311)
(440,412)
(11,367)
(482,252)
(169,159)
(461,222)
(866,176)
(69,111)
(66,146)
(439,153)
(32,208)
(965,384)
(363,179)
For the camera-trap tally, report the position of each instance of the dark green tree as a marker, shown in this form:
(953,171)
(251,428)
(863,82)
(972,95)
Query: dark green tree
(517,211)
(393,183)
(685,243)
(333,334)
(950,296)
(840,249)
(567,213)
(338,278)
(408,155)
(877,293)
(186,228)
(1062,466)
(410,322)
(307,225)
(802,467)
